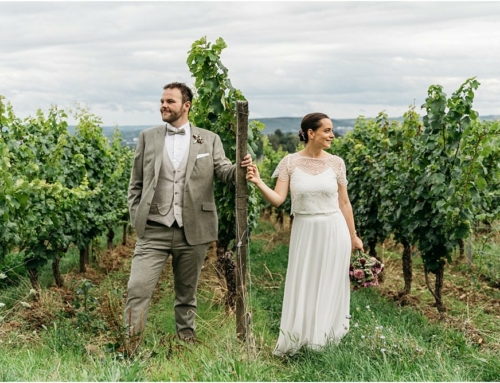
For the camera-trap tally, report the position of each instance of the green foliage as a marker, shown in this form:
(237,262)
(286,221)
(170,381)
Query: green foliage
(270,160)
(62,337)
(364,150)
(57,189)
(86,305)
(286,141)
(425,182)
(399,178)
(214,108)
(449,162)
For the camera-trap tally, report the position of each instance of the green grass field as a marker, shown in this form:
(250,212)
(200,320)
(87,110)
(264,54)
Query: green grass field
(52,340)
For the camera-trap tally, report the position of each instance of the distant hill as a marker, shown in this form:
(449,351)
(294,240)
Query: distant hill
(292,124)
(285,124)
(341,126)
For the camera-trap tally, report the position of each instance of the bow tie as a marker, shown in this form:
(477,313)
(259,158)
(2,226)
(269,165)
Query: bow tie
(172,131)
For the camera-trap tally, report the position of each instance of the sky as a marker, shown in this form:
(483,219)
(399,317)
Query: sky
(343,58)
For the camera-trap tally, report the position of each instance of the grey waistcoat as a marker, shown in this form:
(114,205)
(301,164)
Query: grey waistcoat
(166,206)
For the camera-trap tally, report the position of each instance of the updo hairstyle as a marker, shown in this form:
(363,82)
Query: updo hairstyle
(310,121)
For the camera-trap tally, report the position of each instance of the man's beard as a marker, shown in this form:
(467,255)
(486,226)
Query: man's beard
(174,116)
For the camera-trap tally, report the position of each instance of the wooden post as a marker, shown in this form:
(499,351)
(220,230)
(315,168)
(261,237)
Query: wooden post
(241,219)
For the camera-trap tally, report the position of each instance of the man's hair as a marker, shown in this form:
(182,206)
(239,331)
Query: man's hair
(186,92)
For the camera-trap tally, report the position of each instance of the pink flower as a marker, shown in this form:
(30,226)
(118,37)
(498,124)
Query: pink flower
(364,270)
(359,274)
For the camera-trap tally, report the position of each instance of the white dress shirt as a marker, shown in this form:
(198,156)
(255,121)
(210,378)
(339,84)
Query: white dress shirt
(177,144)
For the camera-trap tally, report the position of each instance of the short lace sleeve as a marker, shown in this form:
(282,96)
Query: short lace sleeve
(282,170)
(341,172)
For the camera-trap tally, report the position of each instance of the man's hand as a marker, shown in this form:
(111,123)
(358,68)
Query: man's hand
(247,160)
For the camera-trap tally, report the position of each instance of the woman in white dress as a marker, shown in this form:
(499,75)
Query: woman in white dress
(317,290)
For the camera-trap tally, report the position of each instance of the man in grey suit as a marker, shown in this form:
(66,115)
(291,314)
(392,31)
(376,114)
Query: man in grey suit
(172,207)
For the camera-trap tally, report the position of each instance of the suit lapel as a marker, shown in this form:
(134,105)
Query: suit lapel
(159,138)
(194,147)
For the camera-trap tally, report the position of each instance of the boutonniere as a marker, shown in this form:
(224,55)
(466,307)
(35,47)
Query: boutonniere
(197,139)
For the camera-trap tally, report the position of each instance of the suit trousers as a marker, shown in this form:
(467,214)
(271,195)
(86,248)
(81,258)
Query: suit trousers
(151,253)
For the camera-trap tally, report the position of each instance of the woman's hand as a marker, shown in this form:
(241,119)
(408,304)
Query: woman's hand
(357,243)
(253,174)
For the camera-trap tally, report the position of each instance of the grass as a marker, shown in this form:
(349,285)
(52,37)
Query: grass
(386,342)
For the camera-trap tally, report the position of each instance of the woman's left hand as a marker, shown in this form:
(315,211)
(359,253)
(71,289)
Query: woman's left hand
(357,243)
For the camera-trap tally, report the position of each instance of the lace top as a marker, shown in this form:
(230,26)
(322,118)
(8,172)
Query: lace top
(313,182)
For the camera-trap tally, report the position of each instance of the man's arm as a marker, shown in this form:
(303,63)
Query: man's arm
(225,171)
(136,179)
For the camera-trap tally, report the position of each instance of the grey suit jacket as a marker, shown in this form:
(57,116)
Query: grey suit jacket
(205,160)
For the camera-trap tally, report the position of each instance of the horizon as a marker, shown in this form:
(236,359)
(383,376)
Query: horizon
(488,116)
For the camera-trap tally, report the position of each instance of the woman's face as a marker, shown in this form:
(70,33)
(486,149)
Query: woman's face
(322,136)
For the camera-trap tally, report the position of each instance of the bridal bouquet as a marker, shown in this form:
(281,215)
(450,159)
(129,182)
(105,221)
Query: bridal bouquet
(364,270)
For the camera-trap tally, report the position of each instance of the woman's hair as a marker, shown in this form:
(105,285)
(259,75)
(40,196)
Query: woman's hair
(310,121)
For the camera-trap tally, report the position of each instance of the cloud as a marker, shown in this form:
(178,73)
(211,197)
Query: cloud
(288,58)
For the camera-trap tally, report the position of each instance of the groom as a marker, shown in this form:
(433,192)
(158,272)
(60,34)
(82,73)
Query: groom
(172,207)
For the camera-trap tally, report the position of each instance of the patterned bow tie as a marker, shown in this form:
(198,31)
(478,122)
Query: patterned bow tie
(172,131)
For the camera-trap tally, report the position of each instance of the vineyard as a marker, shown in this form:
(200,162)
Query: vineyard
(57,189)
(426,200)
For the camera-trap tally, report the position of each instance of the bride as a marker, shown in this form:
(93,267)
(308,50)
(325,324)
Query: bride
(317,291)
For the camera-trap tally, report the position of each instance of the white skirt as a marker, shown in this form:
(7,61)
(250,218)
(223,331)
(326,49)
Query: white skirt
(317,288)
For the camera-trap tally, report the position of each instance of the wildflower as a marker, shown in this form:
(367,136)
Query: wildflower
(32,292)
(356,325)
(419,349)
(25,304)
(362,337)
(3,276)
(368,307)
(383,350)
(2,304)
(382,337)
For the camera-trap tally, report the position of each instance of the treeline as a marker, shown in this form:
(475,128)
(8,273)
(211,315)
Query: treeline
(57,189)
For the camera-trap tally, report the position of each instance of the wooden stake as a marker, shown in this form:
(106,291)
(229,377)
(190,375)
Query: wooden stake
(241,219)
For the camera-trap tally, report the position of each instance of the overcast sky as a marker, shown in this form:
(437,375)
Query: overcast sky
(288,58)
